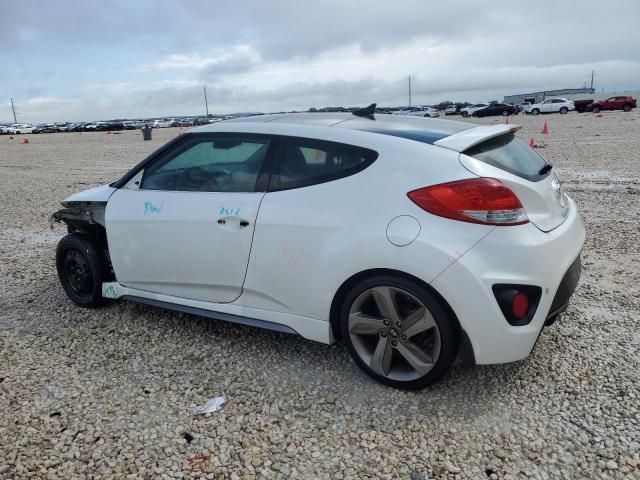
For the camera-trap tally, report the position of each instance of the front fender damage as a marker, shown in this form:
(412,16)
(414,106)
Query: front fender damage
(80,214)
(87,218)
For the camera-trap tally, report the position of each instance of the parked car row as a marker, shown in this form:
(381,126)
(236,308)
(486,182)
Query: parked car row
(563,105)
(101,126)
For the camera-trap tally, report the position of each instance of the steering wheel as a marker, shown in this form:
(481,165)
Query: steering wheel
(198,179)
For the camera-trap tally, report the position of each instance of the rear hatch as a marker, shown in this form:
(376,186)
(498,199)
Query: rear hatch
(495,152)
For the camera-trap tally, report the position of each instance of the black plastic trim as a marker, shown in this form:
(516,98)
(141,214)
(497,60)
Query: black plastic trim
(504,292)
(227,317)
(566,288)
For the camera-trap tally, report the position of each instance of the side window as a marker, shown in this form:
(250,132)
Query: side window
(221,164)
(557,101)
(305,162)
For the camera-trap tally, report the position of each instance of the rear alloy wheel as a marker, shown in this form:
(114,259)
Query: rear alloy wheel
(535,111)
(398,333)
(81,270)
(596,109)
(627,108)
(465,114)
(563,110)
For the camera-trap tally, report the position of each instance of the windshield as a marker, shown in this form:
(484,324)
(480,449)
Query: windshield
(510,154)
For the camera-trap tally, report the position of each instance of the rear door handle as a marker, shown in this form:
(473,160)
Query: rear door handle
(244,223)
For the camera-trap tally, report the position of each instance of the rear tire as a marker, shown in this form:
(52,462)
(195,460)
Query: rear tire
(596,109)
(465,114)
(535,111)
(627,108)
(564,110)
(81,270)
(398,332)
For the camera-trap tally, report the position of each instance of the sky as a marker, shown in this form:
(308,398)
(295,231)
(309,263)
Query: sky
(68,60)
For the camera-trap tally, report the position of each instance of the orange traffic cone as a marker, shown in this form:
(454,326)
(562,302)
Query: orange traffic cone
(532,143)
(545,129)
(26,140)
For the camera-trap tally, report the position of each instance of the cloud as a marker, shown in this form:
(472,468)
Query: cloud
(146,58)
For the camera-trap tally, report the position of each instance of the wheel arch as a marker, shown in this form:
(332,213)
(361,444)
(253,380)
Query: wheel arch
(465,350)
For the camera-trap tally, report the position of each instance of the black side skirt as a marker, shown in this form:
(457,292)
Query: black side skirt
(227,317)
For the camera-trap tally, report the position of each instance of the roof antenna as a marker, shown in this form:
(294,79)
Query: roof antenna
(366,111)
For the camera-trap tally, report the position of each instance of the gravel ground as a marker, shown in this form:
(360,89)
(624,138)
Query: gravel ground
(107,393)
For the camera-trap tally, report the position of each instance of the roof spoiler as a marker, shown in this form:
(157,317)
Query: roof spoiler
(366,112)
(461,141)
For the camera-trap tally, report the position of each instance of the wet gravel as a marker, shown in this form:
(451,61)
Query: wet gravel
(108,393)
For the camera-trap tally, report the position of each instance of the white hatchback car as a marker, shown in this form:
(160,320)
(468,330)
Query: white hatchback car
(418,112)
(551,105)
(413,240)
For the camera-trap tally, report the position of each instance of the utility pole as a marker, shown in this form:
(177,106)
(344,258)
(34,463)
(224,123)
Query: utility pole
(206,104)
(13,109)
(591,79)
(409,90)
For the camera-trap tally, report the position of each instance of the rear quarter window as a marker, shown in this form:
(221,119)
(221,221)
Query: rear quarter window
(509,153)
(305,162)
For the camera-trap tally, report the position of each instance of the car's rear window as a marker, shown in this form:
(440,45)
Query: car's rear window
(511,154)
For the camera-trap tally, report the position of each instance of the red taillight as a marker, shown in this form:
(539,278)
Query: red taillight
(519,305)
(477,200)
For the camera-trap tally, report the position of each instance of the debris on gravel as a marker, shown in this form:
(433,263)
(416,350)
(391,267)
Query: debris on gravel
(108,393)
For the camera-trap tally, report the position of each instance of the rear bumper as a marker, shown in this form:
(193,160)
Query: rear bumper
(521,255)
(565,291)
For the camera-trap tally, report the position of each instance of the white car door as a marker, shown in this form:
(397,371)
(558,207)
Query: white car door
(187,230)
(303,218)
(546,106)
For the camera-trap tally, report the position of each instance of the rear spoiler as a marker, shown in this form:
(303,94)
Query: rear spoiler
(461,141)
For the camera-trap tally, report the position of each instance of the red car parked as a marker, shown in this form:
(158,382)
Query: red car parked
(613,103)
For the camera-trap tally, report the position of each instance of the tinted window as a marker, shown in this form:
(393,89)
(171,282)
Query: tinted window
(510,154)
(220,164)
(305,162)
